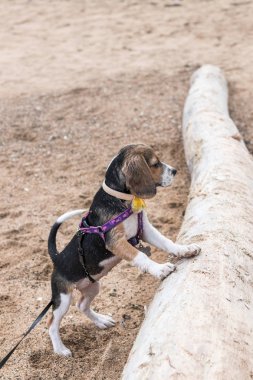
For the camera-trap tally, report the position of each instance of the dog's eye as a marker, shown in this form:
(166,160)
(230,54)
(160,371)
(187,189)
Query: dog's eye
(156,165)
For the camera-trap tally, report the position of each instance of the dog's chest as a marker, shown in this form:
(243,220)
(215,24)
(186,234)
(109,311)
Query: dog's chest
(131,226)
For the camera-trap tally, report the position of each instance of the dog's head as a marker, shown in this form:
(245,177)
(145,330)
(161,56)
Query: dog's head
(137,170)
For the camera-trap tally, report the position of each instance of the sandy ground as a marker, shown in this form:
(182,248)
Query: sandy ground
(79,80)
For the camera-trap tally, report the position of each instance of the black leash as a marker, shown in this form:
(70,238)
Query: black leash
(33,325)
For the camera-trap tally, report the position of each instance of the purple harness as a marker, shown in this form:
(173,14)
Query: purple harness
(84,228)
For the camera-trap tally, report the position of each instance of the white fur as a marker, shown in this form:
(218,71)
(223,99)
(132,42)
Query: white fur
(58,314)
(69,215)
(167,176)
(145,264)
(131,226)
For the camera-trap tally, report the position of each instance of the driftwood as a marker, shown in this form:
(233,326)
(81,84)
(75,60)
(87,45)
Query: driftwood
(200,323)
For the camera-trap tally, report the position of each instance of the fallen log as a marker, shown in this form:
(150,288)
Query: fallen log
(200,323)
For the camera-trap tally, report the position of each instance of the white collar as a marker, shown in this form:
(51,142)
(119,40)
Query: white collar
(117,194)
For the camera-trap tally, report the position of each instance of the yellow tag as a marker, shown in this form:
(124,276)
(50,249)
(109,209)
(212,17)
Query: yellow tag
(138,204)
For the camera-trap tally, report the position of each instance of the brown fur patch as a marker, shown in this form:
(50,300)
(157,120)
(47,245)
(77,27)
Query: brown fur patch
(50,319)
(157,173)
(119,246)
(136,169)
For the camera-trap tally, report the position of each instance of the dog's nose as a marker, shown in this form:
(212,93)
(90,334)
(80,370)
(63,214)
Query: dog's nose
(173,171)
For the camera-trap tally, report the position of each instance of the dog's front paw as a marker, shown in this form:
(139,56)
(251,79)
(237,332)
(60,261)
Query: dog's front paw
(189,250)
(162,270)
(103,321)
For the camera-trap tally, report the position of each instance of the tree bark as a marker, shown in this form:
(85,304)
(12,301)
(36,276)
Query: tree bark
(200,323)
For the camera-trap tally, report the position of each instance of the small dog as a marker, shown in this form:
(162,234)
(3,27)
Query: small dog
(135,172)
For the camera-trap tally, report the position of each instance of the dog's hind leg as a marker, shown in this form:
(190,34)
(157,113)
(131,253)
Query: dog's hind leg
(88,294)
(54,333)
(61,298)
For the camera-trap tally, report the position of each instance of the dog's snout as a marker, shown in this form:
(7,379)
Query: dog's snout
(168,175)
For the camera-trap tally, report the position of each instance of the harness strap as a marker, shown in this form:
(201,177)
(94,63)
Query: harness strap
(135,240)
(140,225)
(82,257)
(101,230)
(84,228)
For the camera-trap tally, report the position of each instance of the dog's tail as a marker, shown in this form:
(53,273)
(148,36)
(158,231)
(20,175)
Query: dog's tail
(52,235)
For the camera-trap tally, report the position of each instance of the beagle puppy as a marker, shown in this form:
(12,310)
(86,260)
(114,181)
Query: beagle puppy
(135,171)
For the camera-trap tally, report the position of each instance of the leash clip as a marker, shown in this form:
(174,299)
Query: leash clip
(145,249)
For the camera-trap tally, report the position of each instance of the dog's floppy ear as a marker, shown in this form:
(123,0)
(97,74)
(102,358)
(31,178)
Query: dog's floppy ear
(139,179)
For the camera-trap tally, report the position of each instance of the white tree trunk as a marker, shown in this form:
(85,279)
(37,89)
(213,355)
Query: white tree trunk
(200,323)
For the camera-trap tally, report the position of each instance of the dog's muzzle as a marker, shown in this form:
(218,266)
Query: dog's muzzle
(168,175)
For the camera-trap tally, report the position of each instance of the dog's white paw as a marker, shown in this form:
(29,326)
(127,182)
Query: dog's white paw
(189,250)
(162,270)
(103,321)
(63,351)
